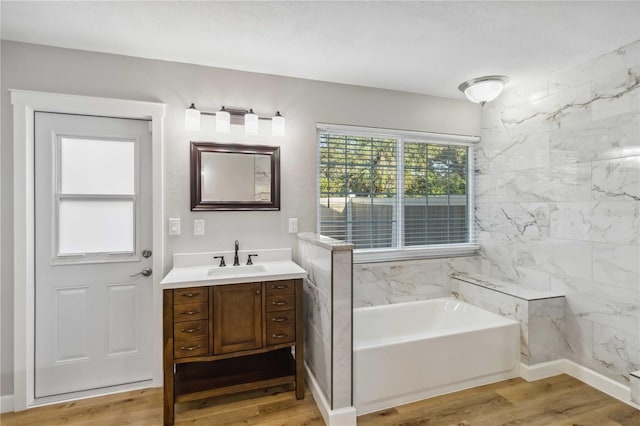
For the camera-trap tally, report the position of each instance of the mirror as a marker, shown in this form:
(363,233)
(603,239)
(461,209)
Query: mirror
(234,177)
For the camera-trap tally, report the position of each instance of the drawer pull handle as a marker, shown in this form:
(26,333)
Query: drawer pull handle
(190,312)
(190,348)
(190,294)
(279,287)
(279,336)
(279,303)
(278,319)
(191,330)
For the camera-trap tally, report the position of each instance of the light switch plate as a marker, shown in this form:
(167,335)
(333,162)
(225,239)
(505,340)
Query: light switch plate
(198,227)
(174,226)
(293,225)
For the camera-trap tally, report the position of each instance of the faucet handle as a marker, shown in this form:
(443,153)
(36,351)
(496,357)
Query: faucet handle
(249,261)
(221,260)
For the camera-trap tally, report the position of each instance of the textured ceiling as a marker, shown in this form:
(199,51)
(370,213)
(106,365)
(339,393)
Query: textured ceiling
(420,47)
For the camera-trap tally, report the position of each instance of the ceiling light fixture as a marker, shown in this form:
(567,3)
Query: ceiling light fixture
(227,116)
(483,89)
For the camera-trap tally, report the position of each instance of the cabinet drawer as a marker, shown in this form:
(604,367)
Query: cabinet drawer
(279,287)
(282,302)
(281,319)
(190,312)
(192,347)
(190,330)
(279,335)
(190,295)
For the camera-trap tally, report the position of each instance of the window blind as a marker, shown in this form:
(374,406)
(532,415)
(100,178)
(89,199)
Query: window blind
(435,194)
(358,189)
(394,191)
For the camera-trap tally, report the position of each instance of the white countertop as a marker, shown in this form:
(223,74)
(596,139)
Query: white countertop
(189,275)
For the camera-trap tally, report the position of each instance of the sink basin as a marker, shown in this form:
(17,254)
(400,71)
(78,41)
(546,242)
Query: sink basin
(235,270)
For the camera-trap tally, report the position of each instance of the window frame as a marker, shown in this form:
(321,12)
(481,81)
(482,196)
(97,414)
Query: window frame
(400,252)
(59,258)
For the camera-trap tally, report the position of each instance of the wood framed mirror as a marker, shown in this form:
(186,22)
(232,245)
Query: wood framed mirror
(234,177)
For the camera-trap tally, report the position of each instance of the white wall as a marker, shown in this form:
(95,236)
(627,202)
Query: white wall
(302,102)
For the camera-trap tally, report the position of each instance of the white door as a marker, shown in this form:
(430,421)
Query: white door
(92,235)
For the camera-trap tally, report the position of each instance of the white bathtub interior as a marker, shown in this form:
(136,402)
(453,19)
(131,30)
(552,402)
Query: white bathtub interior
(410,351)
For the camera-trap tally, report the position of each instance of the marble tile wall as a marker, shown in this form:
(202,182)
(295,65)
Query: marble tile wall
(558,201)
(405,281)
(541,314)
(328,310)
(317,312)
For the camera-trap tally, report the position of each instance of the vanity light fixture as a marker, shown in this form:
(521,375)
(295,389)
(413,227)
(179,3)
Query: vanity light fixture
(223,121)
(227,116)
(483,89)
(192,119)
(251,123)
(277,125)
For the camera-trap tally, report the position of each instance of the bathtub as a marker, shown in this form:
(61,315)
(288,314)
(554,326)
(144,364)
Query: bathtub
(410,351)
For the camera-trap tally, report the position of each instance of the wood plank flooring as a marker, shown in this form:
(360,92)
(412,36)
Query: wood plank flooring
(560,400)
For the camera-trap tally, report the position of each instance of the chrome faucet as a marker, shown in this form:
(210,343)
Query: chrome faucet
(236,261)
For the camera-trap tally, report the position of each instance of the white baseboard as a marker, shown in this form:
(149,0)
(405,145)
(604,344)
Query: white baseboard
(341,417)
(586,375)
(531,373)
(6,403)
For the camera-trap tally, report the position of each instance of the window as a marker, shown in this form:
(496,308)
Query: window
(95,198)
(396,194)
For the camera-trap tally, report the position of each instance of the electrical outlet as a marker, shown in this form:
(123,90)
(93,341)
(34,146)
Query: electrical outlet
(174,226)
(198,227)
(293,225)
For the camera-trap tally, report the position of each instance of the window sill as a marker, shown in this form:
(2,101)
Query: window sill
(408,253)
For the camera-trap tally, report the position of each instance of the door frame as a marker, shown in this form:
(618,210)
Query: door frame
(25,104)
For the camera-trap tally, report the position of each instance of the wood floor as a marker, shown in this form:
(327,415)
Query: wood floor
(559,400)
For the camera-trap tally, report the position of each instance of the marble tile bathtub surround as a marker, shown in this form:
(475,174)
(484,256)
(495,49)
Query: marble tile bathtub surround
(567,218)
(342,327)
(328,315)
(406,281)
(541,314)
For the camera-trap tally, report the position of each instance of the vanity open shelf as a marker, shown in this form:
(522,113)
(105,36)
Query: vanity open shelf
(196,380)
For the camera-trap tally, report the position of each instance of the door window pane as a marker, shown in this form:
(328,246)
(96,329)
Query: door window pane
(96,226)
(97,166)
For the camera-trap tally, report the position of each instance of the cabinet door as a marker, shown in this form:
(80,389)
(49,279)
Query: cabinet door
(237,317)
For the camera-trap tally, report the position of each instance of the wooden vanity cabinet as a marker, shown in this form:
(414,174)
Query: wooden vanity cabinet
(231,338)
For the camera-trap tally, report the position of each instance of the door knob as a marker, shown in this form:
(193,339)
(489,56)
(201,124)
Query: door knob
(145,273)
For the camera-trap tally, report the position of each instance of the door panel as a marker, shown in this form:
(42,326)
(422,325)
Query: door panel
(92,221)
(71,326)
(123,319)
(237,320)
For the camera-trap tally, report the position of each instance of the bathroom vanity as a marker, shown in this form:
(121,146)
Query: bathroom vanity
(231,329)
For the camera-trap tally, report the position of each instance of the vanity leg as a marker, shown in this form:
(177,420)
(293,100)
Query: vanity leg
(299,342)
(167,358)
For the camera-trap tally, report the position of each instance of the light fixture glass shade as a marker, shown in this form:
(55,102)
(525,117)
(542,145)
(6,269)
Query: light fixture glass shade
(192,119)
(277,125)
(223,121)
(251,123)
(483,89)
